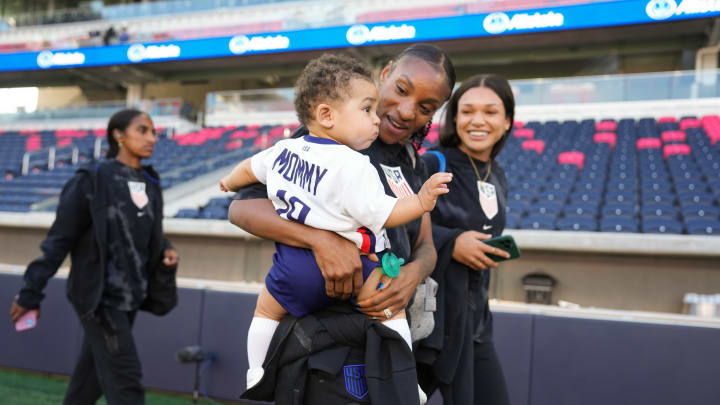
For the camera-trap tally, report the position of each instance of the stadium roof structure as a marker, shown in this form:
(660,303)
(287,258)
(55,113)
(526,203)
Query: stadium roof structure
(527,43)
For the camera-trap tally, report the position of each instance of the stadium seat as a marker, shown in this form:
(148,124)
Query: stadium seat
(702,226)
(538,222)
(691,210)
(618,224)
(577,223)
(187,213)
(661,225)
(619,209)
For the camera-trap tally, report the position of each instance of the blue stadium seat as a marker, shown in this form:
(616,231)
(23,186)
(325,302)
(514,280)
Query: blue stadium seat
(665,210)
(538,221)
(618,224)
(702,226)
(546,207)
(698,197)
(661,225)
(512,221)
(577,223)
(619,209)
(691,210)
(214,213)
(187,213)
(583,208)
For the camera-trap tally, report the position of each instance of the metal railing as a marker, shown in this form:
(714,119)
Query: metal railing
(51,157)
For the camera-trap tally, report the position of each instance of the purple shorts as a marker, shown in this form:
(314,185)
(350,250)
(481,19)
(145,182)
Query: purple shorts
(296,282)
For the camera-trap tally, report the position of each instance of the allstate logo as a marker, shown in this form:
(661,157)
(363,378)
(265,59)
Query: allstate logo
(45,59)
(496,23)
(239,44)
(661,9)
(358,34)
(136,53)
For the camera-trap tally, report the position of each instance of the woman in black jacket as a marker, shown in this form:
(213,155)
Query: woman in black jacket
(110,220)
(459,357)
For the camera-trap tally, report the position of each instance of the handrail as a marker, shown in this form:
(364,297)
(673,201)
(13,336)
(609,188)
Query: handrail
(52,154)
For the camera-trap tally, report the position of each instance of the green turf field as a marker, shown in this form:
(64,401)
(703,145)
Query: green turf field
(25,388)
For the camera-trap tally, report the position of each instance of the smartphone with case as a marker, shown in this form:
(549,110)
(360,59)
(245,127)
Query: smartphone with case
(27,321)
(506,243)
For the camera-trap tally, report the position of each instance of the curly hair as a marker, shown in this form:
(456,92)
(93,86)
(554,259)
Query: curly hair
(324,79)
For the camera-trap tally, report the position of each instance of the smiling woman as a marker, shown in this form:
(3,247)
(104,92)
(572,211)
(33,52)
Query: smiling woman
(459,357)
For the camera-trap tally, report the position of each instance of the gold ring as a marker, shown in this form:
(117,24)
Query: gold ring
(388,313)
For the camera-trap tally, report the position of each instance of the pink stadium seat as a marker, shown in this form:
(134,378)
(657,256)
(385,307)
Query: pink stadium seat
(606,137)
(518,124)
(572,158)
(673,136)
(690,123)
(663,120)
(606,126)
(534,144)
(233,144)
(99,132)
(527,133)
(676,149)
(62,142)
(711,124)
(214,133)
(432,136)
(648,143)
(33,142)
(421,151)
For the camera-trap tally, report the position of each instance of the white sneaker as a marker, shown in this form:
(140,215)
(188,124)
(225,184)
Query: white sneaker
(423,396)
(254,375)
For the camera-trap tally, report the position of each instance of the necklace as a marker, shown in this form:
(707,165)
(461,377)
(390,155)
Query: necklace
(477,173)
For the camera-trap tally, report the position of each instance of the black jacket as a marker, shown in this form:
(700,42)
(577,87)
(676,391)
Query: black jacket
(323,341)
(80,227)
(462,315)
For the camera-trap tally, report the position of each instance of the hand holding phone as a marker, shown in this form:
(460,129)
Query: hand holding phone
(506,243)
(27,321)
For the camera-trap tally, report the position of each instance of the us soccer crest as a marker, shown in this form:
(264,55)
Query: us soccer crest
(355,383)
(397,181)
(137,193)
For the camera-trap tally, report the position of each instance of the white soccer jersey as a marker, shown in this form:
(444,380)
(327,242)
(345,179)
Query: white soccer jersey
(326,185)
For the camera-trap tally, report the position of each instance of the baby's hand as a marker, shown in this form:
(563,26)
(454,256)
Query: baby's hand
(224,185)
(432,188)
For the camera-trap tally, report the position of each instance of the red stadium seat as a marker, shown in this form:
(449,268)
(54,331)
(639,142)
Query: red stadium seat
(606,126)
(606,137)
(519,124)
(690,123)
(664,120)
(62,142)
(648,143)
(572,158)
(534,144)
(676,149)
(33,142)
(234,144)
(673,136)
(527,133)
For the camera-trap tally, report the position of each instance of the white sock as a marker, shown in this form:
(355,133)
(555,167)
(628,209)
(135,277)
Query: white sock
(402,327)
(259,336)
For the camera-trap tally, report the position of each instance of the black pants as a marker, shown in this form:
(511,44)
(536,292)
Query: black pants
(487,386)
(108,364)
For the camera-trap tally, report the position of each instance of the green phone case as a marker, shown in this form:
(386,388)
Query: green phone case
(506,243)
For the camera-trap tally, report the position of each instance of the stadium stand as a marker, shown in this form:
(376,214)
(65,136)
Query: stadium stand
(178,159)
(650,176)
(173,20)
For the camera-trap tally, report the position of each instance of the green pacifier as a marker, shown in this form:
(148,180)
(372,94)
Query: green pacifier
(391,265)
